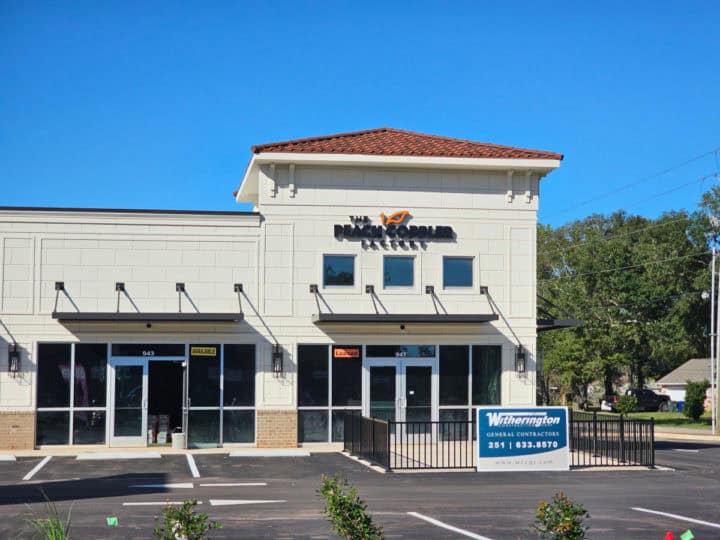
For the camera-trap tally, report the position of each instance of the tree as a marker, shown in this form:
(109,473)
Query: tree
(636,284)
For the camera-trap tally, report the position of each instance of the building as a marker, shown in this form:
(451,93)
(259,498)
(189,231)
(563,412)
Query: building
(383,271)
(673,384)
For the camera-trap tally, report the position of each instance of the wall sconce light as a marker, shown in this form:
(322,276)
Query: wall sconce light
(277,359)
(13,359)
(520,359)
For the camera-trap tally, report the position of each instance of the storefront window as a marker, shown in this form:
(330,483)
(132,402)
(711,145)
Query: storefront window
(400,351)
(53,375)
(338,270)
(312,375)
(457,272)
(53,427)
(454,370)
(203,428)
(238,426)
(398,271)
(313,426)
(486,372)
(204,380)
(239,375)
(347,376)
(90,374)
(89,427)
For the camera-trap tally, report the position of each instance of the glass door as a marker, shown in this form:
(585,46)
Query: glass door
(401,389)
(128,402)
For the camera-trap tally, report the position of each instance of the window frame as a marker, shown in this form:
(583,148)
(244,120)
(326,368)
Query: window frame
(474,275)
(400,289)
(355,288)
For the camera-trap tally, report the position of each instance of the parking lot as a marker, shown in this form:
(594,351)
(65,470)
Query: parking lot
(275,497)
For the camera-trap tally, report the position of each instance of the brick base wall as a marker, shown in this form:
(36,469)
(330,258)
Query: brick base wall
(276,429)
(17,430)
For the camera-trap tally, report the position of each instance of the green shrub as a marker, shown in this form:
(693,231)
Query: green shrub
(183,523)
(346,511)
(562,519)
(51,527)
(626,404)
(695,399)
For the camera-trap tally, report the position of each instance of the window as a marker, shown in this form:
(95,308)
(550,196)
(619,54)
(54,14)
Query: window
(53,375)
(338,270)
(82,420)
(486,372)
(347,376)
(454,370)
(312,375)
(204,394)
(398,271)
(239,371)
(457,272)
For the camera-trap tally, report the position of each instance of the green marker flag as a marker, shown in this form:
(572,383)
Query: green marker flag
(112,521)
(687,535)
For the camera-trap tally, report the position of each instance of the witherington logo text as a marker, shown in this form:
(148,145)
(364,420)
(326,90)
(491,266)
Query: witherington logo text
(521,419)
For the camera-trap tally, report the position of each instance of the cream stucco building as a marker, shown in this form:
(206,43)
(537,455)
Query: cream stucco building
(383,272)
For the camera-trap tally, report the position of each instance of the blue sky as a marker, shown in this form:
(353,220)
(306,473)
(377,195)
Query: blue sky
(155,104)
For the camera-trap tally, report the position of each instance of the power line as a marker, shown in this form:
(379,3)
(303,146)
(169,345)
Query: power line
(581,243)
(617,269)
(647,301)
(637,182)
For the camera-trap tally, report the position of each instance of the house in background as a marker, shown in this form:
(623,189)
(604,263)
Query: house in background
(673,384)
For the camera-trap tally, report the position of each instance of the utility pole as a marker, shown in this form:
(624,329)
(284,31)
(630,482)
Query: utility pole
(713,338)
(714,376)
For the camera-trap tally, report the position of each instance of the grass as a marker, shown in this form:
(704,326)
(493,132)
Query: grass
(674,419)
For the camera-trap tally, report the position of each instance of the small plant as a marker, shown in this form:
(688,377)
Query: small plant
(346,511)
(562,519)
(51,527)
(626,404)
(183,523)
(695,399)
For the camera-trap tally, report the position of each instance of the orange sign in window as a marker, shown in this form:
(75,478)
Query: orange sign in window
(346,352)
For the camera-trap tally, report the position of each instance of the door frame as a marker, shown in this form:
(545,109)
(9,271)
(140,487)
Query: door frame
(140,440)
(400,365)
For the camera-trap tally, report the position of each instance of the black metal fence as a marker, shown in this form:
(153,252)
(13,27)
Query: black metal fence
(603,440)
(596,440)
(367,438)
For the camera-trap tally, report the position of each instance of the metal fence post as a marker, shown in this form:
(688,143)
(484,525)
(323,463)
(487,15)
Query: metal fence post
(652,442)
(387,438)
(622,439)
(594,448)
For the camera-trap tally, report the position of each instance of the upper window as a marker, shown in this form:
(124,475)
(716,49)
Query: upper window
(338,270)
(398,271)
(457,271)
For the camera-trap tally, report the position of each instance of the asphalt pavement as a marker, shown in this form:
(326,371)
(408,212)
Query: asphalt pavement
(276,497)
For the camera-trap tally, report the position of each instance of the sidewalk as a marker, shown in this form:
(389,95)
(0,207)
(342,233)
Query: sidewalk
(685,434)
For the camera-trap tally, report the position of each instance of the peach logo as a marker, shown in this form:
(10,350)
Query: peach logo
(394,219)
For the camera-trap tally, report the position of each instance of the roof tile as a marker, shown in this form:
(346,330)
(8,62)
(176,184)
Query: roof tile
(398,142)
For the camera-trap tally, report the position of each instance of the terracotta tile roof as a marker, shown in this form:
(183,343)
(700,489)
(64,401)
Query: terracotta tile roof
(398,142)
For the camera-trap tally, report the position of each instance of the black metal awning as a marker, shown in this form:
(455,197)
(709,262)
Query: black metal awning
(544,325)
(77,316)
(397,318)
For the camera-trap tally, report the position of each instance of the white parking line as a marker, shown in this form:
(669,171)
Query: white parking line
(448,527)
(689,450)
(154,503)
(37,467)
(235,484)
(681,518)
(232,502)
(181,485)
(118,455)
(193,466)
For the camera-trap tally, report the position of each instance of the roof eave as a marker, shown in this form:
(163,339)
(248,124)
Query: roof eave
(248,191)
